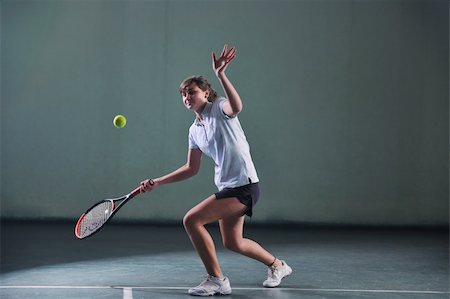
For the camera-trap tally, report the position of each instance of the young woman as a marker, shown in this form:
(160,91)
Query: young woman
(216,132)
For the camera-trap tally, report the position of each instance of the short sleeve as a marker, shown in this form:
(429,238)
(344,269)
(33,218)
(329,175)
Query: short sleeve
(219,111)
(191,141)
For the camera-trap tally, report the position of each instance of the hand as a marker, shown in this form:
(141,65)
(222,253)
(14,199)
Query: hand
(220,64)
(148,185)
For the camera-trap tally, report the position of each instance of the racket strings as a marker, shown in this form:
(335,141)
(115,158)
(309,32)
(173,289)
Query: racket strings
(95,218)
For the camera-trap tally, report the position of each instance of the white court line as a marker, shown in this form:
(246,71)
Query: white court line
(127,293)
(130,289)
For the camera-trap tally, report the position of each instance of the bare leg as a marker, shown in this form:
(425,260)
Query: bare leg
(208,211)
(232,237)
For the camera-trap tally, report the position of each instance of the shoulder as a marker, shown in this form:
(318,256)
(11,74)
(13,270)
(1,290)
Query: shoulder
(192,126)
(218,103)
(218,106)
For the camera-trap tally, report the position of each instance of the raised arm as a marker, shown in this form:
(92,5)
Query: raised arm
(184,172)
(234,104)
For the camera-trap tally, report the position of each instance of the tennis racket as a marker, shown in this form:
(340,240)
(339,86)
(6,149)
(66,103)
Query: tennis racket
(100,213)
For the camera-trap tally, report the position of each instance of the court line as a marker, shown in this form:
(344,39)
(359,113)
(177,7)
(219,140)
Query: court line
(127,293)
(308,290)
(130,288)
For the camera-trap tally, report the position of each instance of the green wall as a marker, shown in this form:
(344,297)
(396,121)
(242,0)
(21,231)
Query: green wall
(346,106)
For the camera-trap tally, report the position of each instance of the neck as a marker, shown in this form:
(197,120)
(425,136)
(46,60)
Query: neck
(198,113)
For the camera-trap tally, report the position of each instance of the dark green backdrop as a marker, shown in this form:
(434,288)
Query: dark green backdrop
(346,106)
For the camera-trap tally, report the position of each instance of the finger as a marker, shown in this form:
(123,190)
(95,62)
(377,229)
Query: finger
(230,58)
(214,57)
(224,50)
(231,52)
(151,184)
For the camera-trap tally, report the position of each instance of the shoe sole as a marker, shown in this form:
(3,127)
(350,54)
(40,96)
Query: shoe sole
(212,294)
(289,273)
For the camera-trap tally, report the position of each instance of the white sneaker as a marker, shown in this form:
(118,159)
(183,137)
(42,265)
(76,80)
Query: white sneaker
(276,274)
(211,286)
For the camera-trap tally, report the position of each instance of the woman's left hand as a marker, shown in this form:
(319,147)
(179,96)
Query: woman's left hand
(221,63)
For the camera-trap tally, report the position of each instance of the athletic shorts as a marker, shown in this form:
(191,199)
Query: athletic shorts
(247,194)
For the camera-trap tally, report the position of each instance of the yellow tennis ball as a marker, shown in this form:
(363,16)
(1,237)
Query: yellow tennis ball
(119,121)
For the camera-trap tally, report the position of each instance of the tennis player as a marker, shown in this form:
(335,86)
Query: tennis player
(217,133)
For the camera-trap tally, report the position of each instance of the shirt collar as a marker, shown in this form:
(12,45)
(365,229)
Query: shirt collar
(206,111)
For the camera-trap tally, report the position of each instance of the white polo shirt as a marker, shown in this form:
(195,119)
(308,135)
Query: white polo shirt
(221,137)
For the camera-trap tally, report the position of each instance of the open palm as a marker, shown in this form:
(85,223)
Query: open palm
(221,63)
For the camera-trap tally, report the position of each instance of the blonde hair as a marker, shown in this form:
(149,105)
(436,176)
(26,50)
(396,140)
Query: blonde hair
(202,83)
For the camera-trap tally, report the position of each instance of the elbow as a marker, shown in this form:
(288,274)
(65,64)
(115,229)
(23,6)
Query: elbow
(236,110)
(238,107)
(191,171)
(194,171)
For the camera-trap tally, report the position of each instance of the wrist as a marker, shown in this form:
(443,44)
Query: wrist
(221,75)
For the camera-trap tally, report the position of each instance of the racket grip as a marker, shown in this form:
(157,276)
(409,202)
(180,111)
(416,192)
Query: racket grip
(137,191)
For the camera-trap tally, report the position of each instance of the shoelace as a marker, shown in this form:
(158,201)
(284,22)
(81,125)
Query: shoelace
(205,280)
(273,271)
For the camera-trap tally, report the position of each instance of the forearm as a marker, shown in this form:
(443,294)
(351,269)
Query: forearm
(231,93)
(182,173)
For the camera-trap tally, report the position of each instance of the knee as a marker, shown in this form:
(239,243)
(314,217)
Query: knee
(189,221)
(232,244)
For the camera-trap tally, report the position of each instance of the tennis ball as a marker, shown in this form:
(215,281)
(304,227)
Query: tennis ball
(119,121)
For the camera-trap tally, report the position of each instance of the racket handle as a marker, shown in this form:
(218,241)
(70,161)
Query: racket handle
(137,191)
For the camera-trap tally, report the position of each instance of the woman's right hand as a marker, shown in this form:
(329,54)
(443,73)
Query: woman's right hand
(148,185)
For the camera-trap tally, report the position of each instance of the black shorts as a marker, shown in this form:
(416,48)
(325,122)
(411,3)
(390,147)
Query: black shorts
(247,194)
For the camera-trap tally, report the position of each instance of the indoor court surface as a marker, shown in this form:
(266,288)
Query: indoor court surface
(45,260)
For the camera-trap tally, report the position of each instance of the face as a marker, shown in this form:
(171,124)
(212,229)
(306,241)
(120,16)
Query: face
(194,98)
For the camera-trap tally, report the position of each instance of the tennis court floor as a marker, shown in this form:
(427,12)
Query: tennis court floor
(45,260)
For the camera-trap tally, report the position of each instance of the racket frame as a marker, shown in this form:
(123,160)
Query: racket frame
(117,203)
